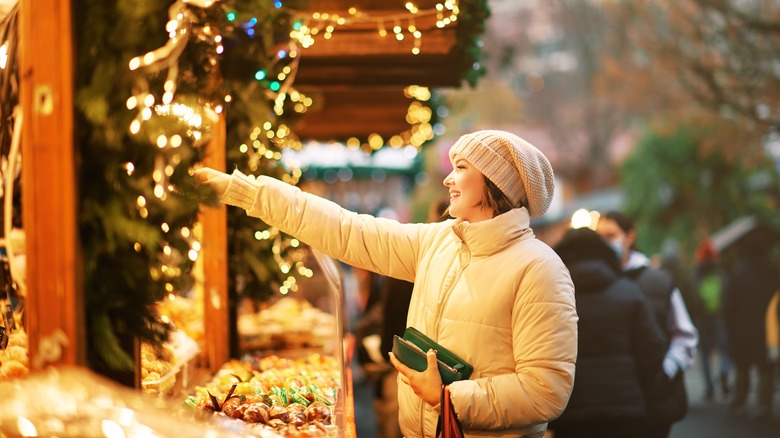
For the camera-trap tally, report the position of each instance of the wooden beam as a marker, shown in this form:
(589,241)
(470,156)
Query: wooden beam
(360,112)
(362,71)
(213,221)
(54,308)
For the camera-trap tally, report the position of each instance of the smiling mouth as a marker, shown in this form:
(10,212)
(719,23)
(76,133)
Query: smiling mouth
(454,195)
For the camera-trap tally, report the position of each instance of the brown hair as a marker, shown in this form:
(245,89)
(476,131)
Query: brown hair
(494,199)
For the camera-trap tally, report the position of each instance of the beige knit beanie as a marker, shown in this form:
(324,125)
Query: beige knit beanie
(518,168)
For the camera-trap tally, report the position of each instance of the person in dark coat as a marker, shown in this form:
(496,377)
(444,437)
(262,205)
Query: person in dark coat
(710,281)
(748,292)
(620,344)
(668,396)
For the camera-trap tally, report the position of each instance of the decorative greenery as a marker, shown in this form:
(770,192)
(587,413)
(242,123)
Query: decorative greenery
(253,270)
(471,26)
(134,250)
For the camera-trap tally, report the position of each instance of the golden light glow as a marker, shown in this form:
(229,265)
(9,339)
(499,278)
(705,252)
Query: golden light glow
(446,13)
(3,56)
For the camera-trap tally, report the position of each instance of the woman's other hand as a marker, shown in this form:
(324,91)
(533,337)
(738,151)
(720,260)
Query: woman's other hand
(426,384)
(214,179)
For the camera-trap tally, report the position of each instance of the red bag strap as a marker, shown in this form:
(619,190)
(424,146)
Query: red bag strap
(448,425)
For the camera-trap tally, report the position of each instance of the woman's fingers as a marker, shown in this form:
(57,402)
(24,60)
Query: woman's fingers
(403,369)
(433,366)
(426,384)
(218,181)
(205,173)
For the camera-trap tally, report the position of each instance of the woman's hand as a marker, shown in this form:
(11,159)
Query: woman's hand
(216,180)
(426,384)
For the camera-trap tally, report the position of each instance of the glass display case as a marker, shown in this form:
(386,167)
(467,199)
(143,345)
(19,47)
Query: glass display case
(292,378)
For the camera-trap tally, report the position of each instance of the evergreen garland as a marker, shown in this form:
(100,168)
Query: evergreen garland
(471,26)
(133,249)
(253,271)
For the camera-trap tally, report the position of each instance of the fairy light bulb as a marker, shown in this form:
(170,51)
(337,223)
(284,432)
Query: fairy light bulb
(3,56)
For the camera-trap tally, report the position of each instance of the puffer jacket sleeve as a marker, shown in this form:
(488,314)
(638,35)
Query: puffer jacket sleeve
(380,245)
(544,338)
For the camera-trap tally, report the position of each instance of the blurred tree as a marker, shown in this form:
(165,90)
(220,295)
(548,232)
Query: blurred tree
(543,60)
(679,185)
(561,93)
(718,55)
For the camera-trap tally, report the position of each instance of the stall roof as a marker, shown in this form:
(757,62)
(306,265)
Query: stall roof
(359,75)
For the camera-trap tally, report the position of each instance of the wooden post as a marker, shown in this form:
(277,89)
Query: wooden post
(215,269)
(54,304)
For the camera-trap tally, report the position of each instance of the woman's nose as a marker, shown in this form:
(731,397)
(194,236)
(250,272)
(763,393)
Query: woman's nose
(448,179)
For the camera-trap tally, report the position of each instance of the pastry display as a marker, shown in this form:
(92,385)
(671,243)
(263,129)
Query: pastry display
(78,403)
(14,360)
(186,314)
(290,323)
(159,366)
(293,397)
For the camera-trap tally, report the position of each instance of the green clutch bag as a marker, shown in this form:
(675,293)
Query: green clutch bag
(411,348)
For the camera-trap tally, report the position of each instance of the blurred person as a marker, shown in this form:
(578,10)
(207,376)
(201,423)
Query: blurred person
(671,262)
(748,293)
(710,282)
(620,346)
(668,400)
(773,333)
(484,286)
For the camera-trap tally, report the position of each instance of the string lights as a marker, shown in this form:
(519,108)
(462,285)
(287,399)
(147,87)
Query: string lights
(273,79)
(418,116)
(168,122)
(312,24)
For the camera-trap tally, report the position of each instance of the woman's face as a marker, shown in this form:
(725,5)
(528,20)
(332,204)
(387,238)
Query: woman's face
(467,190)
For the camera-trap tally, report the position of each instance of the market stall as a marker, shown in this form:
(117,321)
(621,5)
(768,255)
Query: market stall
(133,273)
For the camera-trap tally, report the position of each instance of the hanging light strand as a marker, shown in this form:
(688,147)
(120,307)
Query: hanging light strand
(313,24)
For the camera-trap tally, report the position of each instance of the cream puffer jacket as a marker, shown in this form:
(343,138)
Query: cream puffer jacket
(489,291)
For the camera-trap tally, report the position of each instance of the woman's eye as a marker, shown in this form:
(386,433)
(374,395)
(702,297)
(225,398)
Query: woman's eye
(460,167)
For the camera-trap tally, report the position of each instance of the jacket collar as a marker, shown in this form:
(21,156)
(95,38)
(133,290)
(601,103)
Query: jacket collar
(636,260)
(490,236)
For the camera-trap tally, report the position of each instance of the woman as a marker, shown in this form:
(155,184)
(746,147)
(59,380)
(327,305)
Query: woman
(621,346)
(484,287)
